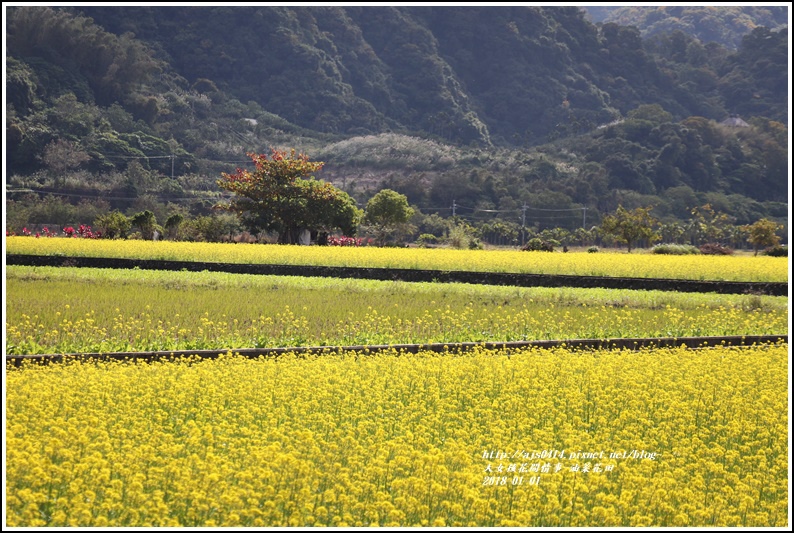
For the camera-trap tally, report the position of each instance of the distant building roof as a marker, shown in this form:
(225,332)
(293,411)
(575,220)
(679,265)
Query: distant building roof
(735,122)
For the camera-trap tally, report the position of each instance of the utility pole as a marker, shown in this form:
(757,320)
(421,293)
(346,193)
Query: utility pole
(584,214)
(172,166)
(454,206)
(523,223)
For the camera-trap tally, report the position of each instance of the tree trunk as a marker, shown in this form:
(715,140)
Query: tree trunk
(289,236)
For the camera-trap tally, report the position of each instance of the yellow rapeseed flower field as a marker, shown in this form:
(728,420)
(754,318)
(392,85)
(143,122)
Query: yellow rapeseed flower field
(721,268)
(68,331)
(658,437)
(78,310)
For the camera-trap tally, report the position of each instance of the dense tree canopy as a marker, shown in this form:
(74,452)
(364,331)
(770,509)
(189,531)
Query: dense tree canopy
(387,211)
(721,24)
(276,197)
(763,233)
(630,226)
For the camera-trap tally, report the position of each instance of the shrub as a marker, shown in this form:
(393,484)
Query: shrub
(172,225)
(675,249)
(426,239)
(713,248)
(113,225)
(777,251)
(538,245)
(592,250)
(344,241)
(82,231)
(460,236)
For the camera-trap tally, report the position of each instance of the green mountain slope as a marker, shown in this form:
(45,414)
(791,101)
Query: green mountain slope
(511,75)
(726,25)
(492,108)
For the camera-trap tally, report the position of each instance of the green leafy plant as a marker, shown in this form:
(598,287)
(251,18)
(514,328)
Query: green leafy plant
(675,249)
(630,226)
(389,212)
(536,244)
(777,251)
(276,197)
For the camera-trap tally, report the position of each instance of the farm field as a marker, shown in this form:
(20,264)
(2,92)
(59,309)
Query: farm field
(72,310)
(655,437)
(664,437)
(696,267)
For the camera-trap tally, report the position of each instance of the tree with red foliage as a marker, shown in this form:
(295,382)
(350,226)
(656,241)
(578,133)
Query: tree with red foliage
(276,197)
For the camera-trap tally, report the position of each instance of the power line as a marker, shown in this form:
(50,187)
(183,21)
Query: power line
(102,196)
(553,217)
(248,161)
(485,217)
(136,156)
(457,205)
(567,209)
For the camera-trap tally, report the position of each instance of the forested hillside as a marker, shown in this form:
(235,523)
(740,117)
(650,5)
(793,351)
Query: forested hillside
(500,110)
(726,25)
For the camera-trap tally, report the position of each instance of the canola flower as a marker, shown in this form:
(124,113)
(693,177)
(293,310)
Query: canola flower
(719,268)
(67,310)
(404,440)
(66,331)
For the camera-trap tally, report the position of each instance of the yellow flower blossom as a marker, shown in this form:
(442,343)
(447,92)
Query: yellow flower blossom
(698,267)
(656,437)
